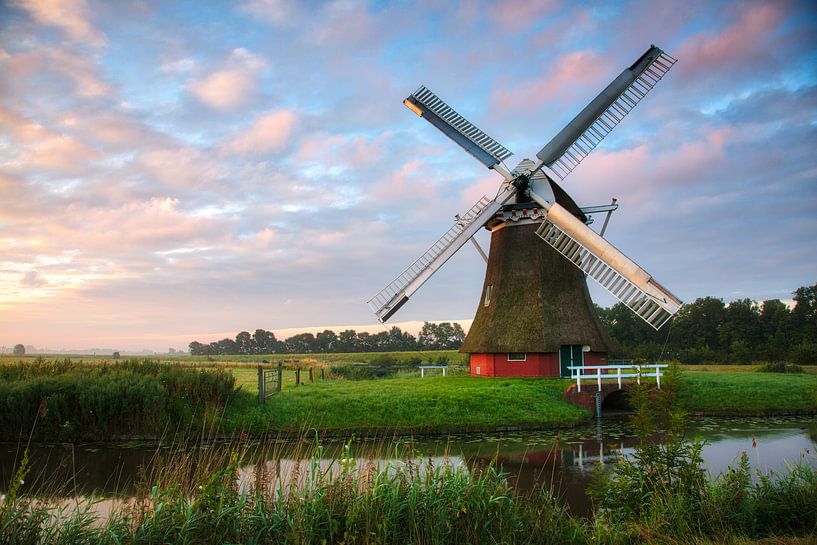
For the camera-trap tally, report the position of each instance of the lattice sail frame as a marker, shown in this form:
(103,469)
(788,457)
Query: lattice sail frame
(602,124)
(655,310)
(388,300)
(473,140)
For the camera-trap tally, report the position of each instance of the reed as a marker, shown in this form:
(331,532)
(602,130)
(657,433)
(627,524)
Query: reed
(72,400)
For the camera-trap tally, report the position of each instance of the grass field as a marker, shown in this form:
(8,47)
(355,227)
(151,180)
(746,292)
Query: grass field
(433,404)
(407,403)
(453,356)
(741,393)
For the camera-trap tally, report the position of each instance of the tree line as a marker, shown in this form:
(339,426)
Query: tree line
(432,336)
(706,330)
(709,330)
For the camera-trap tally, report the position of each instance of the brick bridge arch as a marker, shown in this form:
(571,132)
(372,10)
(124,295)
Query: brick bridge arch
(587,397)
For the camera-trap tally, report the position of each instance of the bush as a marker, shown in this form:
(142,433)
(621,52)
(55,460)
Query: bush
(804,354)
(383,359)
(780,367)
(67,401)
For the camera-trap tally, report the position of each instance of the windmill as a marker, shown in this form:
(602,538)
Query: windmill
(535,316)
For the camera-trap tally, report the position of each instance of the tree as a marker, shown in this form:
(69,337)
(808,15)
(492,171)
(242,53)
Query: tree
(265,342)
(244,343)
(741,332)
(115,355)
(347,341)
(775,323)
(197,349)
(442,336)
(303,343)
(19,350)
(804,314)
(326,341)
(696,324)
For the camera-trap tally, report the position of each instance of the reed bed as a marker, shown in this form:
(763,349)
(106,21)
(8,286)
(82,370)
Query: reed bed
(277,491)
(65,400)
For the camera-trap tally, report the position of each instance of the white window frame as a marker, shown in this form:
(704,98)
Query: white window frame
(524,356)
(489,291)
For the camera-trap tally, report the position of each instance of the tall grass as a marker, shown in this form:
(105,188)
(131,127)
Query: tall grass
(303,493)
(198,499)
(72,400)
(664,490)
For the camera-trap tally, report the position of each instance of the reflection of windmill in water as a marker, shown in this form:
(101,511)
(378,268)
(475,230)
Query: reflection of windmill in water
(535,317)
(566,467)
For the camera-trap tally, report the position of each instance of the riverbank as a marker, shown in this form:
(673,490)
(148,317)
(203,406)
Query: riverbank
(394,493)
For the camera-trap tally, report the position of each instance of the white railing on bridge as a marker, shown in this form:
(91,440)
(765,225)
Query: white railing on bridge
(616,371)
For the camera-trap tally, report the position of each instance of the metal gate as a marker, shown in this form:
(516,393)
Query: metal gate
(269,382)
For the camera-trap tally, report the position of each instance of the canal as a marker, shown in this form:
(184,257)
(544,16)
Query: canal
(565,460)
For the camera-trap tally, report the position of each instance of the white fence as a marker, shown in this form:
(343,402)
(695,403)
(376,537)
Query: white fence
(618,372)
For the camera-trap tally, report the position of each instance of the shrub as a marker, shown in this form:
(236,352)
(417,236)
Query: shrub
(804,354)
(69,401)
(383,359)
(780,367)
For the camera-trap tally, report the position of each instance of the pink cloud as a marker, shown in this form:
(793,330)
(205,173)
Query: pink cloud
(570,71)
(746,42)
(231,86)
(518,14)
(81,71)
(269,133)
(38,146)
(70,15)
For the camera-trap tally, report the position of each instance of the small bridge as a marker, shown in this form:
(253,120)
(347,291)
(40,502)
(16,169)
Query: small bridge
(603,377)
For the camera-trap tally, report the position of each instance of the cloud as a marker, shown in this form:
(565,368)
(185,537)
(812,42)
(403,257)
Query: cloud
(741,48)
(233,85)
(33,71)
(516,15)
(278,12)
(571,71)
(38,146)
(69,15)
(270,133)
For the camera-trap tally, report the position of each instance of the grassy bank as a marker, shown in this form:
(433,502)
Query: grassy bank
(433,404)
(72,401)
(746,393)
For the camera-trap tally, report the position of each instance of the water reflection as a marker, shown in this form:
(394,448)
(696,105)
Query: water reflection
(563,460)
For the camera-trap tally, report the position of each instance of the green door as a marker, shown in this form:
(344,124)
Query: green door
(570,355)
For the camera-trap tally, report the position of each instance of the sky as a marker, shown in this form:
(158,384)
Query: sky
(179,171)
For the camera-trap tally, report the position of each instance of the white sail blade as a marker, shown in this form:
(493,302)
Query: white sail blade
(575,142)
(397,292)
(610,268)
(432,108)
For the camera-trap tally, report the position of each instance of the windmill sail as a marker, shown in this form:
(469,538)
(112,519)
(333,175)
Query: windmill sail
(575,142)
(432,108)
(610,268)
(397,292)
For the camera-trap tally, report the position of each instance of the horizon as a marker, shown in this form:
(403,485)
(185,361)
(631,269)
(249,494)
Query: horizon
(173,173)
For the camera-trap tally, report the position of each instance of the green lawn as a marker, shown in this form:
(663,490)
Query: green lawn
(433,404)
(718,392)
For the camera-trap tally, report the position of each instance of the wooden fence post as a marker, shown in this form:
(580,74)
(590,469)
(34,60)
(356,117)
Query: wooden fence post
(311,375)
(280,374)
(297,376)
(261,394)
(323,377)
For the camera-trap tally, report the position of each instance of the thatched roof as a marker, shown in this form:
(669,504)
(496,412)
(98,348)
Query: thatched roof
(539,300)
